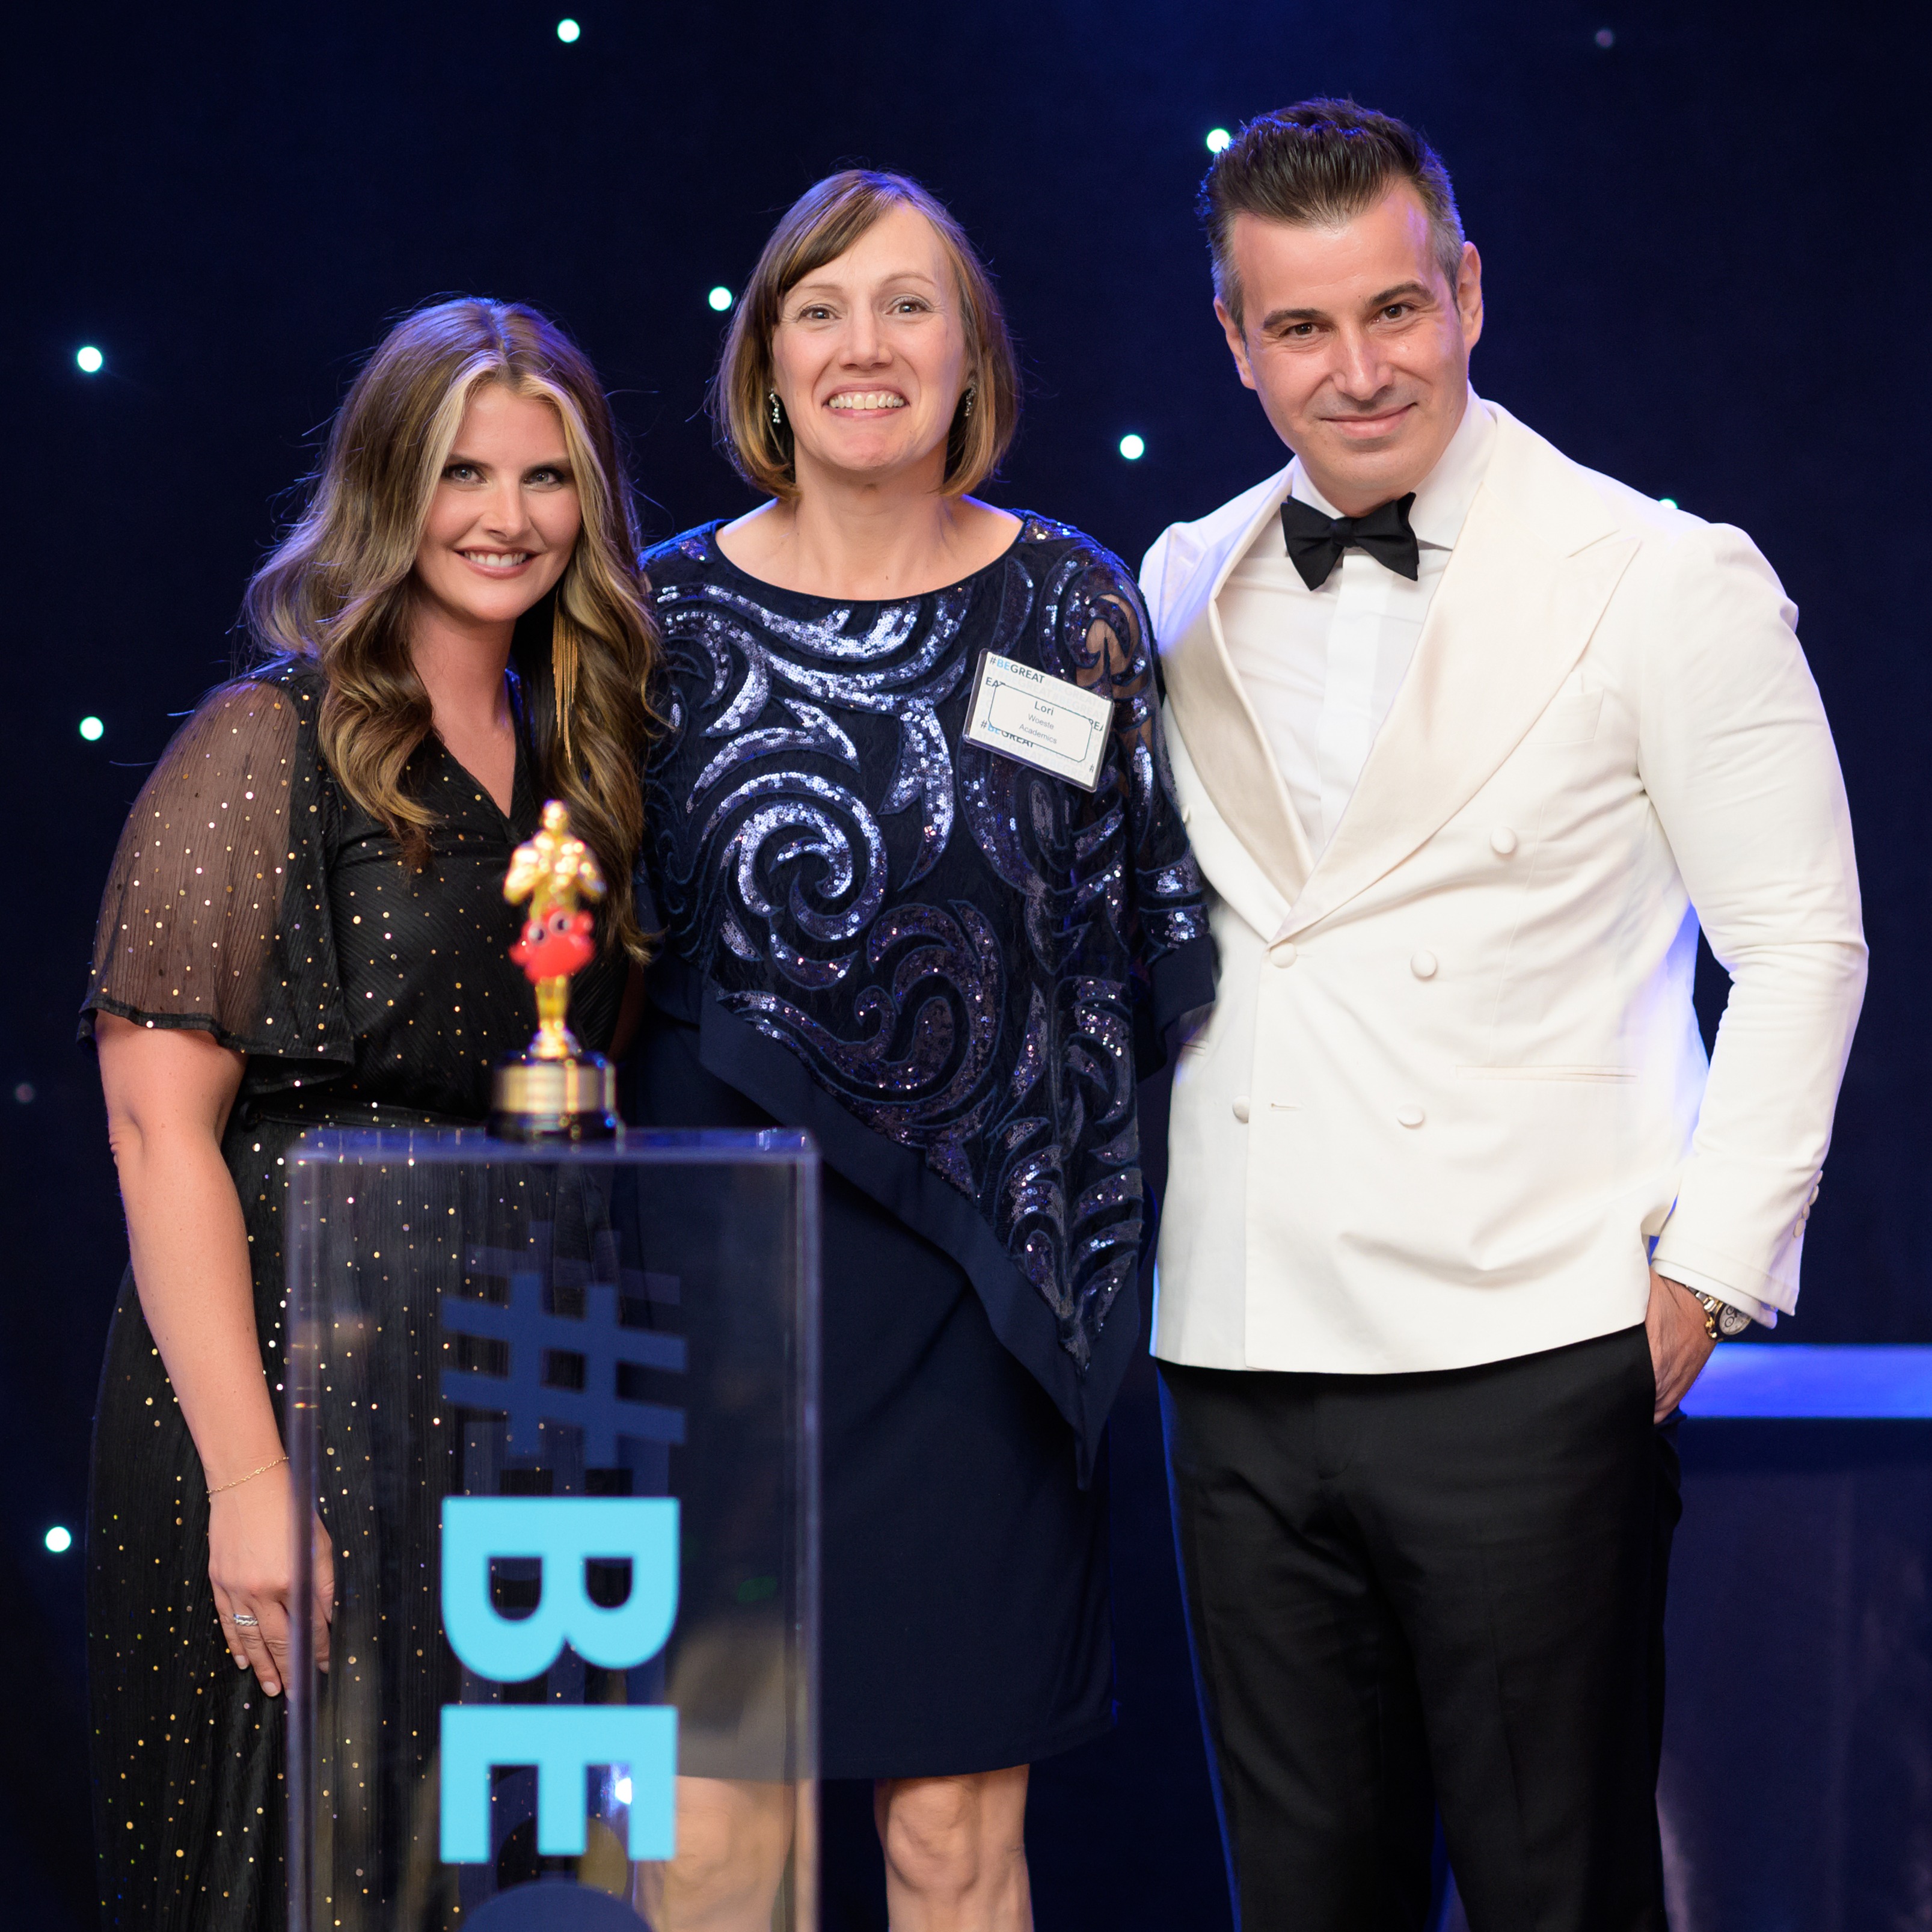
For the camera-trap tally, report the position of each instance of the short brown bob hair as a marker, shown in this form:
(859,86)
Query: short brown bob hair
(1319,164)
(817,228)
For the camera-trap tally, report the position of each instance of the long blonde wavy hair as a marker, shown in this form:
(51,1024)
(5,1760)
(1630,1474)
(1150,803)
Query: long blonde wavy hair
(336,588)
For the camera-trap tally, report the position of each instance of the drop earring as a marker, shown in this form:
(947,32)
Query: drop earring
(563,673)
(966,403)
(776,407)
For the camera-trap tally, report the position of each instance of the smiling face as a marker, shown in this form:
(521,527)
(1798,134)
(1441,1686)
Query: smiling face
(505,516)
(869,356)
(1358,347)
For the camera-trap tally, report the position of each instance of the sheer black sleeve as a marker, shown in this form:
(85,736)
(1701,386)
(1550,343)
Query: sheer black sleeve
(215,915)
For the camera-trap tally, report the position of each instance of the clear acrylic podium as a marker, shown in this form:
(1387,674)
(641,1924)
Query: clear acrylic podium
(556,1409)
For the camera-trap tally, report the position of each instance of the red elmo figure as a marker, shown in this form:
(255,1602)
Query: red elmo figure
(555,947)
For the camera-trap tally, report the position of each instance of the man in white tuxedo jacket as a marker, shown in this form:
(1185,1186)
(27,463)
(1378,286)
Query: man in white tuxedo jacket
(1469,740)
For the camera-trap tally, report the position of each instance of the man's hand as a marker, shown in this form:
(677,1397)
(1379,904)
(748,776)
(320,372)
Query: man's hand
(1679,1343)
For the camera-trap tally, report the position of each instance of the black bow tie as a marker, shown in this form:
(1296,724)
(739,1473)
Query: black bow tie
(1315,542)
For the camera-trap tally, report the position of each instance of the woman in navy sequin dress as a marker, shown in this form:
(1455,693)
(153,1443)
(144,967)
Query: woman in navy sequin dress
(941,960)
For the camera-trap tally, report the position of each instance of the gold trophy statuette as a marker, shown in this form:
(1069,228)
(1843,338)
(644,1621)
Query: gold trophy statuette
(553,1091)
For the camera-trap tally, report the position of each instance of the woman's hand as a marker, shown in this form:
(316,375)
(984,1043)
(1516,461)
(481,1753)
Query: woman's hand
(251,1565)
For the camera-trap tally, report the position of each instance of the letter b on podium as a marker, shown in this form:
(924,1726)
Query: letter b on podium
(562,1741)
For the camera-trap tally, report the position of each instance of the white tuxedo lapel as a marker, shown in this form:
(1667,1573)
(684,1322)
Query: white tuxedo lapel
(1532,573)
(1229,752)
(1236,874)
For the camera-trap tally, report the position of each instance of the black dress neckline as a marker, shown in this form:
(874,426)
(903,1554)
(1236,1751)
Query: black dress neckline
(523,782)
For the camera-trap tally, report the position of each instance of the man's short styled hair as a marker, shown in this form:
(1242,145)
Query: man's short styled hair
(1320,163)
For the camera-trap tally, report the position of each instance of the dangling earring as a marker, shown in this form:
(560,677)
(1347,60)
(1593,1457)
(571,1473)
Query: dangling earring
(777,409)
(966,403)
(563,672)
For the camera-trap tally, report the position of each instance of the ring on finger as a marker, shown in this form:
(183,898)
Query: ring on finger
(243,1620)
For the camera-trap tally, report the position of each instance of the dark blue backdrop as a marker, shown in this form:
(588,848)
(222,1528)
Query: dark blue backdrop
(1707,274)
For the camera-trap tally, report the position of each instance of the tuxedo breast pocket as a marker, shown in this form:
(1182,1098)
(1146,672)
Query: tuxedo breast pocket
(1571,720)
(1584,1072)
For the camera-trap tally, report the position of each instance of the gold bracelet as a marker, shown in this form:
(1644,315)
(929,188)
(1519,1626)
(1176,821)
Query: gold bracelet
(249,1477)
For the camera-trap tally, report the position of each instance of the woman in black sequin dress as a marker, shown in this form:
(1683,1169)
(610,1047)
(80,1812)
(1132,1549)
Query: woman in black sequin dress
(305,925)
(938,959)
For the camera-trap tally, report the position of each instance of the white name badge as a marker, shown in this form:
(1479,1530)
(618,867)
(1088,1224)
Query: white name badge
(1042,721)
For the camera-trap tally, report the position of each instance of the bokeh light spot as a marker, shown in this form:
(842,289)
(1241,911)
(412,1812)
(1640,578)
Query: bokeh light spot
(720,298)
(89,361)
(1133,448)
(90,728)
(59,1540)
(568,30)
(1219,140)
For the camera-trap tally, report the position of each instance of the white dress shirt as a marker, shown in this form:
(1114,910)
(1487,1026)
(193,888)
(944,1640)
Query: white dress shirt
(1321,668)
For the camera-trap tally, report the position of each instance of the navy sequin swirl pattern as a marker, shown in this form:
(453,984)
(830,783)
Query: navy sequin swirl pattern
(955,946)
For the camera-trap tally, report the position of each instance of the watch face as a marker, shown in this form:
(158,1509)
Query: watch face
(1732,1320)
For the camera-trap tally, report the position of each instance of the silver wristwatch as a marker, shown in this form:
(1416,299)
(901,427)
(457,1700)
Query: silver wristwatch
(1721,1320)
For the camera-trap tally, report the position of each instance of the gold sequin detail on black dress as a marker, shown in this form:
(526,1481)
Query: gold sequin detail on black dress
(251,899)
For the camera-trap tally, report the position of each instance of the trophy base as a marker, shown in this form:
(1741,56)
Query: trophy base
(562,1100)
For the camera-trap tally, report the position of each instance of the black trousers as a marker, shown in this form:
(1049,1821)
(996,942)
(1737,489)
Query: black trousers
(1407,1592)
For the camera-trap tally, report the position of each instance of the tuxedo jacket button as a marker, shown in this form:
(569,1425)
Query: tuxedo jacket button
(1411,1116)
(1502,841)
(1423,964)
(1283,953)
(1241,1110)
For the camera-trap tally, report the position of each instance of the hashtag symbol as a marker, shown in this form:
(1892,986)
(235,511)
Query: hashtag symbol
(527,1330)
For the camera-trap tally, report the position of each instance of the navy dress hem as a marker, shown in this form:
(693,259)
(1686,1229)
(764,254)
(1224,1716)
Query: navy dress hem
(964,1624)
